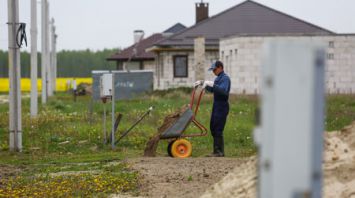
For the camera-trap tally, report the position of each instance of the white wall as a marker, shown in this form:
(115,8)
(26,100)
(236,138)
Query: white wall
(241,57)
(164,73)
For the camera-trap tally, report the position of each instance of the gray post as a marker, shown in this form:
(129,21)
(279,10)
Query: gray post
(55,60)
(104,124)
(44,53)
(290,137)
(34,90)
(15,136)
(48,54)
(200,58)
(113,111)
(52,57)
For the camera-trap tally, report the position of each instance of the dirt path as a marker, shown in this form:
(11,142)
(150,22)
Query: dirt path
(232,177)
(170,177)
(338,170)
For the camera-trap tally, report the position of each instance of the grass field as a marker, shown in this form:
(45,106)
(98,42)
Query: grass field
(66,132)
(64,120)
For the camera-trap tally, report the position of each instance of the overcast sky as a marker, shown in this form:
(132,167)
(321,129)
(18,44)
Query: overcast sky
(99,24)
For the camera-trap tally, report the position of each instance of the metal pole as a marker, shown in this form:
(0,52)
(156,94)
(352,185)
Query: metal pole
(15,136)
(104,123)
(53,54)
(113,112)
(34,90)
(55,60)
(48,53)
(43,56)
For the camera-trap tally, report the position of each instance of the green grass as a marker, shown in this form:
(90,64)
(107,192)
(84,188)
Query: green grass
(63,120)
(67,133)
(66,130)
(340,111)
(70,180)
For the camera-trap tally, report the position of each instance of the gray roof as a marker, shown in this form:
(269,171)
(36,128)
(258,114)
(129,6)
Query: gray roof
(247,18)
(175,28)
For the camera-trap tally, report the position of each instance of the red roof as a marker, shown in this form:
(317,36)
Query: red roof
(140,54)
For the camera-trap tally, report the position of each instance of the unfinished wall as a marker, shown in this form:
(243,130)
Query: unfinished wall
(241,56)
(149,65)
(164,74)
(199,58)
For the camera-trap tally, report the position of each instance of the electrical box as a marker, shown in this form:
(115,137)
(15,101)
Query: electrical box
(290,137)
(106,85)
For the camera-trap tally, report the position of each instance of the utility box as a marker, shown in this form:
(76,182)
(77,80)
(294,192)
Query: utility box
(128,85)
(106,85)
(290,137)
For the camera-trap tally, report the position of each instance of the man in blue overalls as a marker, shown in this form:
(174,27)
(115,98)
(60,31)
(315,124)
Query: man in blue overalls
(220,89)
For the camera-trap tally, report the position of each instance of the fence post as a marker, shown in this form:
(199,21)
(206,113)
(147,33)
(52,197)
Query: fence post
(290,137)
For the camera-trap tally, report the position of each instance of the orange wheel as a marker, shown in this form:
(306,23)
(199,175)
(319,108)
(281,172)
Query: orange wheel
(181,148)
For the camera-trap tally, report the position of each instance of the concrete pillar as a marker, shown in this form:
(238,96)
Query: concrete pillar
(200,58)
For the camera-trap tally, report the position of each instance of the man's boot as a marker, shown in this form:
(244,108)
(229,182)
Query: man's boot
(218,147)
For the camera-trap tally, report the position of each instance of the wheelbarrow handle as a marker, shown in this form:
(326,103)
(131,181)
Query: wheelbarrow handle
(193,99)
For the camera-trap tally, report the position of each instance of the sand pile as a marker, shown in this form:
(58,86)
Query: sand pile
(338,170)
(339,163)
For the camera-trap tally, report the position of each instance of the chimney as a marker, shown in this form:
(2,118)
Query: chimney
(138,35)
(201,11)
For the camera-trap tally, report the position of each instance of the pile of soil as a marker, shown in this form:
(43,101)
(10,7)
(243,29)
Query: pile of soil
(338,170)
(152,144)
(172,177)
(339,163)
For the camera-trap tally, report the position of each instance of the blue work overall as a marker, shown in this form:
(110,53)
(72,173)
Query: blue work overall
(220,110)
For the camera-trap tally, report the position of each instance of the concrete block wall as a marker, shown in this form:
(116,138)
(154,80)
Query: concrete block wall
(149,65)
(242,58)
(340,70)
(164,73)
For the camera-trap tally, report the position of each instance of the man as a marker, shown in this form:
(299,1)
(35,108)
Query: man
(220,89)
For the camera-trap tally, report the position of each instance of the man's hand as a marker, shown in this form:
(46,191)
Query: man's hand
(198,83)
(207,83)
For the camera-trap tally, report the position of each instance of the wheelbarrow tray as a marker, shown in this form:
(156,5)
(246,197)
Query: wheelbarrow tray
(179,126)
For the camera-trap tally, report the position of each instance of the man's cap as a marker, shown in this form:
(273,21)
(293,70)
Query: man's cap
(215,65)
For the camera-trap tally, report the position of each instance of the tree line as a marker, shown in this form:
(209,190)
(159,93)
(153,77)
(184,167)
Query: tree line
(70,63)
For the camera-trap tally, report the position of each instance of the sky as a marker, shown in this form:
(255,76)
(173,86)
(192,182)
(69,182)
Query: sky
(99,24)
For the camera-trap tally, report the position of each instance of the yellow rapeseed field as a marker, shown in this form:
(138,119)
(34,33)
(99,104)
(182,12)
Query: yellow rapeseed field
(62,84)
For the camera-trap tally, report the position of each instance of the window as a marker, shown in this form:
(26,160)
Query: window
(331,44)
(330,56)
(180,66)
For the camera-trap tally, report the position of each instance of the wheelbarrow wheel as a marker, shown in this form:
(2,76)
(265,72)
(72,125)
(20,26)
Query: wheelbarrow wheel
(169,148)
(181,148)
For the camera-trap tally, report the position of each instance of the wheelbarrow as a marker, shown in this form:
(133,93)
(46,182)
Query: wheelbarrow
(178,145)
